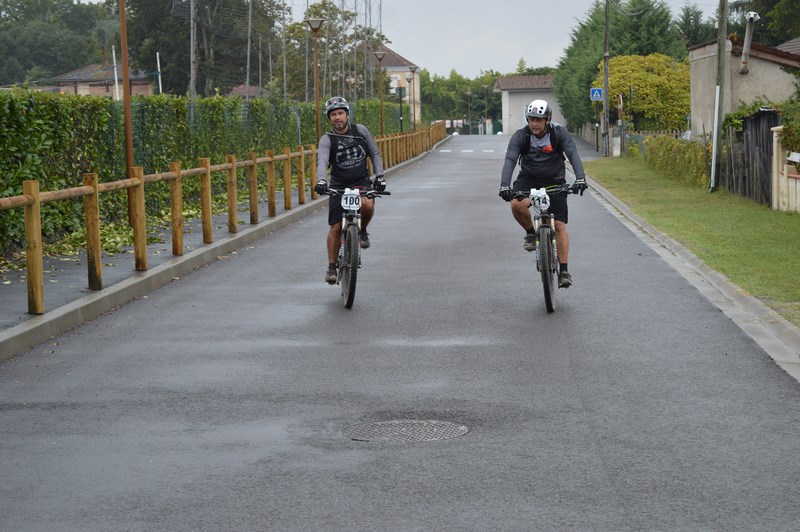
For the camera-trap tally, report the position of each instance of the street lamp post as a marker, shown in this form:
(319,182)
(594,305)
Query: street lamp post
(401,96)
(469,111)
(409,78)
(486,110)
(379,56)
(315,24)
(413,69)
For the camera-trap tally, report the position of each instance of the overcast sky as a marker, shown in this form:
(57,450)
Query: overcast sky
(474,35)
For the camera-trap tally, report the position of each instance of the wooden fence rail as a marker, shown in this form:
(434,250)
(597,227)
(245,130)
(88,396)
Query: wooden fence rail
(394,149)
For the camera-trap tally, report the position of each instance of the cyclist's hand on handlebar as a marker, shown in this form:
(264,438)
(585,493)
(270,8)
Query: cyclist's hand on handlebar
(580,185)
(506,193)
(380,183)
(321,187)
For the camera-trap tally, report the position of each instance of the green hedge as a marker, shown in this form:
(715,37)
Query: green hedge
(682,160)
(56,138)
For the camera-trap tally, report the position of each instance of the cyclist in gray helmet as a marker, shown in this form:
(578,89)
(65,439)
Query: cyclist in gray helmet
(344,151)
(540,148)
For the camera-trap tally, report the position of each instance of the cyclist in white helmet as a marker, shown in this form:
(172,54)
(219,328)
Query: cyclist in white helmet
(539,148)
(345,150)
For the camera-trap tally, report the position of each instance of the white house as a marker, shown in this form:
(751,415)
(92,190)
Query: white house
(518,91)
(766,77)
(400,70)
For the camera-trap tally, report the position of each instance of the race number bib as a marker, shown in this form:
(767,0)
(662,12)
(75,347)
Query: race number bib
(351,200)
(540,196)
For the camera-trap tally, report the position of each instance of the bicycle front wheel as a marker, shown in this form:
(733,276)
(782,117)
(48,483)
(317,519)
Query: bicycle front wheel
(350,265)
(547,266)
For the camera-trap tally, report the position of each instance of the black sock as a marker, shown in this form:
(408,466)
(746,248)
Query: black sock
(530,231)
(332,266)
(562,266)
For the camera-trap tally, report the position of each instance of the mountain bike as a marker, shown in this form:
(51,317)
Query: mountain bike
(546,249)
(349,260)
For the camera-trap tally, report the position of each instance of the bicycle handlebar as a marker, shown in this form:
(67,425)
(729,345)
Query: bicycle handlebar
(553,190)
(368,193)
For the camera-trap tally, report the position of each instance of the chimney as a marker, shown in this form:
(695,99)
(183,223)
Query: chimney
(752,17)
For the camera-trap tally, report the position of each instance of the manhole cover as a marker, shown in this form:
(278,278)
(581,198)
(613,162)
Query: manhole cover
(406,430)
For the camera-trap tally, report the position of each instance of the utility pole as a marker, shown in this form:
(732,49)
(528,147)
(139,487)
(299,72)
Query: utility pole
(605,89)
(722,39)
(192,59)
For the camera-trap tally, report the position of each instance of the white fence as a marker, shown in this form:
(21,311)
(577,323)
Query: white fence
(785,177)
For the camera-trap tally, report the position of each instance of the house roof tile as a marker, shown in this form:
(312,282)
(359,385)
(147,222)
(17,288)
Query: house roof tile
(391,60)
(524,83)
(793,46)
(97,73)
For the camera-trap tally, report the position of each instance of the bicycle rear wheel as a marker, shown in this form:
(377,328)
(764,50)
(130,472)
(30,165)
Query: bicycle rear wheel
(350,265)
(547,266)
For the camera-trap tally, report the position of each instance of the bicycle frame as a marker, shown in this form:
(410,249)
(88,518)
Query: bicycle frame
(546,248)
(351,203)
(349,259)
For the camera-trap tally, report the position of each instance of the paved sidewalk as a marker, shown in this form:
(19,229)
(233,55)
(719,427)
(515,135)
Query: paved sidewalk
(69,302)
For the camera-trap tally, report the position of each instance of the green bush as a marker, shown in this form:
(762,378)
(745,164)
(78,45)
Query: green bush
(790,116)
(681,160)
(57,138)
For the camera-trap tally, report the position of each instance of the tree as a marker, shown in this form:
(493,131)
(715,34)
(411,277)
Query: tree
(43,38)
(577,69)
(783,23)
(44,49)
(524,70)
(779,21)
(644,27)
(221,46)
(638,27)
(660,86)
(154,28)
(692,28)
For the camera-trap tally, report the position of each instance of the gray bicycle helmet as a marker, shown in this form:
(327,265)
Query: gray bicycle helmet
(337,102)
(538,109)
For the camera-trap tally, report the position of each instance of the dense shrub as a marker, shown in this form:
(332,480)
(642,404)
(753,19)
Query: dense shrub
(57,138)
(790,115)
(682,160)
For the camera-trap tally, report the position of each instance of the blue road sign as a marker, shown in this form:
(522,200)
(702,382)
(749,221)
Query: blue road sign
(596,94)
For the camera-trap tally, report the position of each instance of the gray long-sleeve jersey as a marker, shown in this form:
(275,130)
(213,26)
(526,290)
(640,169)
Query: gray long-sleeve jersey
(542,161)
(350,160)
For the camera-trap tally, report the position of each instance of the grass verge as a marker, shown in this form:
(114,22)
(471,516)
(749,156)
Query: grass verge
(757,248)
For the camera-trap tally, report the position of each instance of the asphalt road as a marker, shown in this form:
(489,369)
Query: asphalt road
(225,401)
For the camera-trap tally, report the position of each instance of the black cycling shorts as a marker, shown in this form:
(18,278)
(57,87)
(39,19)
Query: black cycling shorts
(335,210)
(558,202)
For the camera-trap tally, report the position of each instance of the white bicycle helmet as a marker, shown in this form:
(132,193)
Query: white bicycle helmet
(337,102)
(538,109)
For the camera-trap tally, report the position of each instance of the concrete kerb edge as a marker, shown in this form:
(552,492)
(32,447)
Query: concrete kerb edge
(39,329)
(753,316)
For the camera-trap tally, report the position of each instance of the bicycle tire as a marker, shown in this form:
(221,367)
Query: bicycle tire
(350,265)
(547,267)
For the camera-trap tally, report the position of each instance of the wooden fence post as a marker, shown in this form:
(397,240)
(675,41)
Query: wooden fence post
(205,201)
(287,179)
(176,206)
(33,248)
(139,222)
(271,192)
(301,176)
(313,170)
(252,182)
(233,200)
(91,207)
